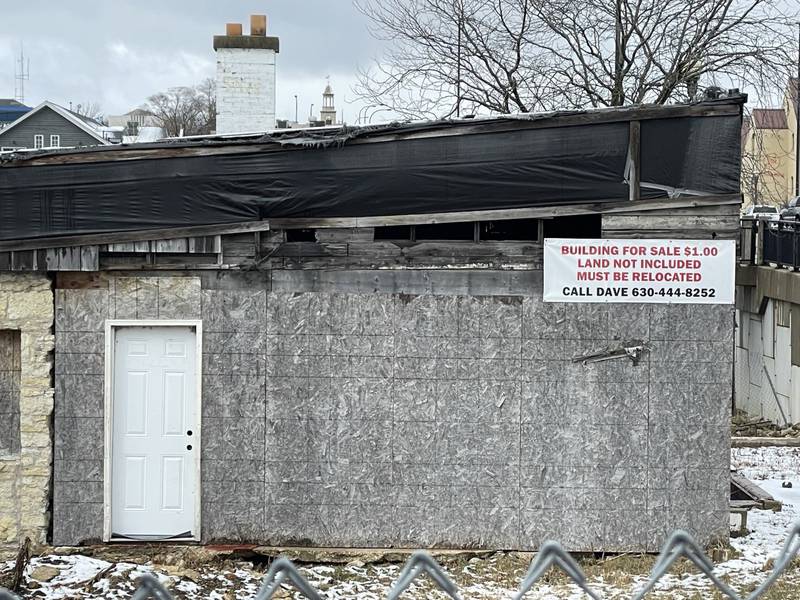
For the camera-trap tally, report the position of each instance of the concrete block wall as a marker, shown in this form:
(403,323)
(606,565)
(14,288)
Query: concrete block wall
(245,89)
(26,306)
(425,419)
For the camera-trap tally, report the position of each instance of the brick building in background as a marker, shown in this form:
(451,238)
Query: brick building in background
(769,167)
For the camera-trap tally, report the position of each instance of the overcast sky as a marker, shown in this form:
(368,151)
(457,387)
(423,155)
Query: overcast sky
(118,52)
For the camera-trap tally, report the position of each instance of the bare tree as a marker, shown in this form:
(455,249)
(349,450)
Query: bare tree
(524,55)
(185,110)
(207,93)
(90,110)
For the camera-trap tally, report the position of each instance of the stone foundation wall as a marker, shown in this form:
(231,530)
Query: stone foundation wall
(420,415)
(26,305)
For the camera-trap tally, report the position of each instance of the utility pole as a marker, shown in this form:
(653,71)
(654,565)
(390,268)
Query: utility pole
(616,93)
(796,93)
(311,114)
(295,108)
(458,58)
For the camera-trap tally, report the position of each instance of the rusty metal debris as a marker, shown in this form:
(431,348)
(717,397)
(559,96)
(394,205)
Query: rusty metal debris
(634,349)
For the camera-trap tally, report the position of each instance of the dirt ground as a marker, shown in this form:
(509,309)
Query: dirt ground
(227,573)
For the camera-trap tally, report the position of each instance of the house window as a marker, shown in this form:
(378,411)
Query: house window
(55,141)
(10,371)
(38,141)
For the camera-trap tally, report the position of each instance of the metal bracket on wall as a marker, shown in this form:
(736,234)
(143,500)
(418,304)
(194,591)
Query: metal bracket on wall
(634,349)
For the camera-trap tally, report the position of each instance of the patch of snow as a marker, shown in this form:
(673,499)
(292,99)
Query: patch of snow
(481,579)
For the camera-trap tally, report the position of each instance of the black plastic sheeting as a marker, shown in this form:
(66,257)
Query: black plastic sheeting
(453,171)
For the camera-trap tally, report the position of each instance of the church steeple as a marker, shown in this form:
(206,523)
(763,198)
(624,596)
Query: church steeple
(328,112)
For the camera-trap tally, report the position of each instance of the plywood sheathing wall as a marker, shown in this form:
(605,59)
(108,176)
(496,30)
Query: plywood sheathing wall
(419,408)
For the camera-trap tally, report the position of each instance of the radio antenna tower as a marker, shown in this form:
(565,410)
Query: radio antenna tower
(22,73)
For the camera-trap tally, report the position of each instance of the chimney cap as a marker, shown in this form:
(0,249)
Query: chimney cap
(233,29)
(258,25)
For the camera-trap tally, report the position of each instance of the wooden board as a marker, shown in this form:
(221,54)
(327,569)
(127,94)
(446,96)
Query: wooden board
(539,212)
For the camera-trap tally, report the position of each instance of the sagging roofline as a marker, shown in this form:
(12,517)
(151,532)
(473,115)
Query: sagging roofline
(332,136)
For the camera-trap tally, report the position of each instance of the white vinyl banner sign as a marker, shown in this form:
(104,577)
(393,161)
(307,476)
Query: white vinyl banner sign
(664,271)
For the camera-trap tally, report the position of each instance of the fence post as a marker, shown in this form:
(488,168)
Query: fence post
(759,256)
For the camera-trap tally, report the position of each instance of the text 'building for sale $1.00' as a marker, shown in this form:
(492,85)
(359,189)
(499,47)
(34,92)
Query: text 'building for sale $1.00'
(341,337)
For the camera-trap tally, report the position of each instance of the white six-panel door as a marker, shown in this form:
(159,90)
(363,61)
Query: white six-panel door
(154,479)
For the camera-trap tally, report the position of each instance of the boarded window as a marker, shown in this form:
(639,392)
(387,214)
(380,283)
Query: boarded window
(9,391)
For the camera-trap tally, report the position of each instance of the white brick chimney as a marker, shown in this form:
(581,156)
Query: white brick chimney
(246,77)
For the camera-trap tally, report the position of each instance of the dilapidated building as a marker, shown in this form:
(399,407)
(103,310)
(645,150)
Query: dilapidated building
(339,339)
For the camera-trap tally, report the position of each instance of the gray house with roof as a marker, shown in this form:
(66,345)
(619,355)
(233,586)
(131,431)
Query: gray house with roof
(11,110)
(51,126)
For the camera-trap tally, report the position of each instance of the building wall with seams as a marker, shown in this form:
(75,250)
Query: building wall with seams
(426,405)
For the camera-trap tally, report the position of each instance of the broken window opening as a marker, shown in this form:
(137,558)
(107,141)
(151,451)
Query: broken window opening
(511,230)
(576,226)
(301,235)
(450,232)
(10,374)
(395,233)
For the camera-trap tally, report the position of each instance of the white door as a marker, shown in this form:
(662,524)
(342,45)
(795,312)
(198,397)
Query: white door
(154,479)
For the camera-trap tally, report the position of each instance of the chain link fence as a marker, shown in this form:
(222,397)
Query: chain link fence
(680,544)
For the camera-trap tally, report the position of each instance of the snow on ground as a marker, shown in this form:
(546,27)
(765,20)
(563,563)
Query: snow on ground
(494,577)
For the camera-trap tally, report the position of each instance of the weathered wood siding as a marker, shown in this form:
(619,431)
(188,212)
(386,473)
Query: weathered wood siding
(701,222)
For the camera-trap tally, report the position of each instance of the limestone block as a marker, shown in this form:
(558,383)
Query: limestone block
(34,423)
(38,470)
(32,308)
(35,389)
(36,441)
(8,529)
(27,305)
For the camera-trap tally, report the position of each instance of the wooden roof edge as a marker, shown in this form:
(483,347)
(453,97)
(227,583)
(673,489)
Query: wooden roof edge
(539,212)
(141,235)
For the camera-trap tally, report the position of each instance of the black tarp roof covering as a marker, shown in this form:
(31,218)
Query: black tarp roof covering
(379,171)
